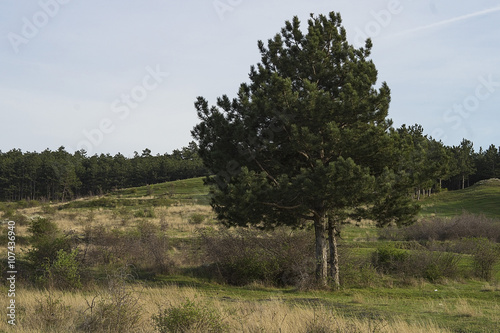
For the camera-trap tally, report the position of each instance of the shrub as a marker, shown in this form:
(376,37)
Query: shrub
(421,263)
(463,226)
(189,317)
(114,311)
(13,215)
(145,247)
(42,227)
(63,272)
(389,259)
(145,213)
(433,266)
(47,242)
(154,245)
(51,315)
(356,271)
(196,219)
(485,256)
(244,256)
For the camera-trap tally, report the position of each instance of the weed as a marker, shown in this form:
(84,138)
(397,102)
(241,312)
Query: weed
(145,213)
(51,314)
(197,219)
(48,209)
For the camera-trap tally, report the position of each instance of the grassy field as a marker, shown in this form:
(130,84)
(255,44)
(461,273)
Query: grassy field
(481,198)
(130,301)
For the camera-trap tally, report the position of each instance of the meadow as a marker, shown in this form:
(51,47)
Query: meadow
(155,259)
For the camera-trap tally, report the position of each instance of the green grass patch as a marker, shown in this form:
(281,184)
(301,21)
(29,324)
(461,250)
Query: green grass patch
(186,190)
(481,198)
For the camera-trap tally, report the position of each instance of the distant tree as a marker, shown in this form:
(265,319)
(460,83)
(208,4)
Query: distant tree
(464,159)
(426,160)
(306,140)
(487,164)
(439,160)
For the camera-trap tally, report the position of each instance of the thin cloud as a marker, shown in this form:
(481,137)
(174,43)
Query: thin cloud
(450,21)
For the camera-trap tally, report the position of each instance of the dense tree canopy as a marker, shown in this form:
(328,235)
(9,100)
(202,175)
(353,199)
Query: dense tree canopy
(59,175)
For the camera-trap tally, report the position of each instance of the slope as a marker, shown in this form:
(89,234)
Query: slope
(481,198)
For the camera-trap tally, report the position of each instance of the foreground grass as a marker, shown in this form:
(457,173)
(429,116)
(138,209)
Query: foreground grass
(268,310)
(468,307)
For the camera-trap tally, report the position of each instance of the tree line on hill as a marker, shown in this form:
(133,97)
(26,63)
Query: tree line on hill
(433,166)
(60,175)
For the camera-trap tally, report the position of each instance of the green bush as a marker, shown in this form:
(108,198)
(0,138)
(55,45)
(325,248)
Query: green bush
(63,272)
(13,215)
(389,259)
(189,317)
(46,240)
(51,253)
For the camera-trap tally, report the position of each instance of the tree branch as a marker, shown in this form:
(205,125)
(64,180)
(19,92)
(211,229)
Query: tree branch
(267,173)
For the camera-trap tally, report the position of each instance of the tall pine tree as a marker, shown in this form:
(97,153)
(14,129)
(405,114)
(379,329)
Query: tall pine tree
(307,140)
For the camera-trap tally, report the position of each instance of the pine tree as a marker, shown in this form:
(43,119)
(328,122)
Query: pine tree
(306,141)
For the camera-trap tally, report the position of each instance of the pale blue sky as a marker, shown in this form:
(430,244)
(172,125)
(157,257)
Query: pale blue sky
(120,76)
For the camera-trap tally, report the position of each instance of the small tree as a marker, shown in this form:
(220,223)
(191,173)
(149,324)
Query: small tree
(307,140)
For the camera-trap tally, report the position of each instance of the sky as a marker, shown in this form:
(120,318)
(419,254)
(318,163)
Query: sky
(119,76)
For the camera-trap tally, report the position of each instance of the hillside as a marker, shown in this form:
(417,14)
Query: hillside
(186,191)
(481,198)
(161,244)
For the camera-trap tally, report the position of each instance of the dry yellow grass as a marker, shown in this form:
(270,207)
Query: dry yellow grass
(64,311)
(175,219)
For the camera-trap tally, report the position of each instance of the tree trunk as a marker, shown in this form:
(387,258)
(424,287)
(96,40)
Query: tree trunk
(321,251)
(334,255)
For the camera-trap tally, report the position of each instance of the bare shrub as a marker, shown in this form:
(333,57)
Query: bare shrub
(145,247)
(463,226)
(51,315)
(116,310)
(430,265)
(243,256)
